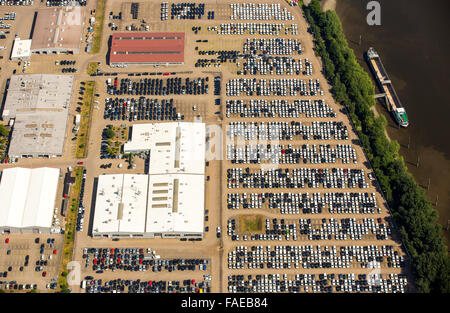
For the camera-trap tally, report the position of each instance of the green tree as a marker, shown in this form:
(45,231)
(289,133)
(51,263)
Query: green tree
(3,131)
(109,133)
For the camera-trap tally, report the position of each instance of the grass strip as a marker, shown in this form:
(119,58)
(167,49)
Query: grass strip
(69,234)
(98,26)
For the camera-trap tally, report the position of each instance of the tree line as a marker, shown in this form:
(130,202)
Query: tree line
(412,211)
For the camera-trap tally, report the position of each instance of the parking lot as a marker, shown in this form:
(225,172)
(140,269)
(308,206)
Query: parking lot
(290,156)
(27,262)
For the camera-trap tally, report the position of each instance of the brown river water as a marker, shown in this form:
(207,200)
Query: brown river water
(413,42)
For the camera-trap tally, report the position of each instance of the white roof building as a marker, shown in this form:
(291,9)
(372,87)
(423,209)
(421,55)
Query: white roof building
(176,203)
(21,49)
(177,147)
(28,199)
(121,203)
(170,201)
(39,105)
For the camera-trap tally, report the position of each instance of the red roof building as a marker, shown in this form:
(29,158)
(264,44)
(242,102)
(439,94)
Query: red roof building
(146,49)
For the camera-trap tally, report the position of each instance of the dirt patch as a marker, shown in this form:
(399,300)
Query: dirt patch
(251,223)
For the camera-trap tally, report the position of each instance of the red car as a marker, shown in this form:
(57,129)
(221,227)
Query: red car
(44,274)
(79,163)
(7,240)
(54,251)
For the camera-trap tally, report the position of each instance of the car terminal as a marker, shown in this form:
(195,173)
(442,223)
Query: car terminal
(192,147)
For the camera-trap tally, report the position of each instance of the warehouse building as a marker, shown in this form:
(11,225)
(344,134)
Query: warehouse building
(38,105)
(58,30)
(175,147)
(28,199)
(167,203)
(38,135)
(37,92)
(21,49)
(120,205)
(176,205)
(148,206)
(146,49)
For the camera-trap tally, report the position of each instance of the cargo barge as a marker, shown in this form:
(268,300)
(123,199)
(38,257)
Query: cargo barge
(392,100)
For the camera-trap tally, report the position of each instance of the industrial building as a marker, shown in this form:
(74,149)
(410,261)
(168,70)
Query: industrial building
(58,30)
(21,49)
(120,205)
(146,49)
(175,147)
(38,104)
(38,135)
(28,199)
(168,202)
(37,92)
(176,205)
(148,206)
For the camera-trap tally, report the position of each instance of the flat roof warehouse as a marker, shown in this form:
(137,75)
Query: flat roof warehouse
(147,48)
(58,30)
(28,199)
(169,202)
(39,104)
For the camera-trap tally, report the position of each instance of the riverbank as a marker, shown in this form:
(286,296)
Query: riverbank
(326,4)
(410,208)
(418,80)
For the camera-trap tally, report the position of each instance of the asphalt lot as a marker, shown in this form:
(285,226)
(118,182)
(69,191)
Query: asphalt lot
(21,245)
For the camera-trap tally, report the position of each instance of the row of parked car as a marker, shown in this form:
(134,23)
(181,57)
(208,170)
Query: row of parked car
(13,285)
(138,260)
(296,178)
(260,12)
(69,70)
(289,154)
(317,130)
(184,10)
(356,256)
(67,62)
(81,207)
(150,286)
(278,108)
(132,109)
(271,283)
(64,3)
(156,86)
(273,87)
(306,203)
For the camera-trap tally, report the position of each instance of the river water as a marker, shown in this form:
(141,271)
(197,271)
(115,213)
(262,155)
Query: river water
(413,43)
